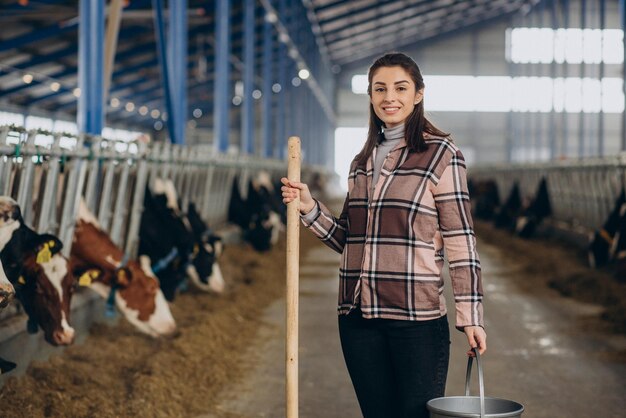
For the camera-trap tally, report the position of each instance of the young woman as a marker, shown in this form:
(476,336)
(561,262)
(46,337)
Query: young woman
(407,202)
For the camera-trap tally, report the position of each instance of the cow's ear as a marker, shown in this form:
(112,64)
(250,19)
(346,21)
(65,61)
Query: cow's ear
(53,242)
(47,245)
(89,276)
(123,276)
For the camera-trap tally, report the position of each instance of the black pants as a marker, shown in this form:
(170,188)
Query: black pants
(395,366)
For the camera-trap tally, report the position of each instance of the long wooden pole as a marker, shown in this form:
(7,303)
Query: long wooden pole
(293,252)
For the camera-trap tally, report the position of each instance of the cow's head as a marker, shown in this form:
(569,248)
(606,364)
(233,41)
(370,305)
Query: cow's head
(204,271)
(141,300)
(45,288)
(98,264)
(9,222)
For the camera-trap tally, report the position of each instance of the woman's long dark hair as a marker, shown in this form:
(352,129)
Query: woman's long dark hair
(415,125)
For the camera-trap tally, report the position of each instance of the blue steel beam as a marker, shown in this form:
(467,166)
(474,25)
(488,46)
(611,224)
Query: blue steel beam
(178,63)
(38,35)
(143,95)
(247,115)
(222,81)
(281,139)
(266,139)
(159,32)
(335,4)
(402,11)
(68,71)
(90,115)
(361,54)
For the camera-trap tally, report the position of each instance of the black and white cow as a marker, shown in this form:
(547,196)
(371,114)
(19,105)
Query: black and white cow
(166,237)
(485,198)
(618,249)
(166,242)
(506,215)
(39,272)
(538,209)
(257,215)
(208,248)
(601,243)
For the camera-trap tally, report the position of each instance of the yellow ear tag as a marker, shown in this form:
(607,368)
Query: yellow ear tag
(44,255)
(51,243)
(121,274)
(21,280)
(85,279)
(196,250)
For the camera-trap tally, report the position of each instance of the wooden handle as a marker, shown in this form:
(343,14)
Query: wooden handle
(293,253)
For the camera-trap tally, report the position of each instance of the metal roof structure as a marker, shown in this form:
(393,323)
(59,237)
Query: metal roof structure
(39,43)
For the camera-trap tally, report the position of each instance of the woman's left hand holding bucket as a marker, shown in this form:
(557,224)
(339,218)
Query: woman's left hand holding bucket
(476,337)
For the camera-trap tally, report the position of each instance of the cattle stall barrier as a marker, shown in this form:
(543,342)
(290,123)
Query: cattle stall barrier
(47,173)
(582,192)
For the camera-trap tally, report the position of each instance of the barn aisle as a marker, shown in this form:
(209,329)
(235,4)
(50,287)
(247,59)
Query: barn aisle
(325,388)
(546,351)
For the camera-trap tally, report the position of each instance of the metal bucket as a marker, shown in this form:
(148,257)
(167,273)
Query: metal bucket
(473,406)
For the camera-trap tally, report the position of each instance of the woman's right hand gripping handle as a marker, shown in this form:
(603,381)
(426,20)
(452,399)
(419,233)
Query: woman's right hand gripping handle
(290,190)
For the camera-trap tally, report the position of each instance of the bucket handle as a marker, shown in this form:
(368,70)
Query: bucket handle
(481,384)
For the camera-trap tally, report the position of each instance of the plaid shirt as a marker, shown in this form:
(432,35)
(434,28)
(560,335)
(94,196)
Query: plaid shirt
(392,241)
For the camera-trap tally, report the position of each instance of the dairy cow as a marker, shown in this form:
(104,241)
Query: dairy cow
(101,265)
(506,215)
(207,249)
(6,366)
(601,243)
(532,215)
(6,294)
(7,291)
(619,247)
(485,198)
(165,241)
(256,215)
(39,273)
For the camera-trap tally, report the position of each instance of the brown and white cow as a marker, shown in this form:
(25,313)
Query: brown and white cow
(40,274)
(97,261)
(7,291)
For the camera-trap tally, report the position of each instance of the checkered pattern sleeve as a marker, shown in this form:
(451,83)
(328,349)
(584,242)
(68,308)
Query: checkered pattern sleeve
(457,230)
(330,230)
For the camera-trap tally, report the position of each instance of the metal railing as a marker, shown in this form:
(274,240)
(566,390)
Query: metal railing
(47,173)
(582,192)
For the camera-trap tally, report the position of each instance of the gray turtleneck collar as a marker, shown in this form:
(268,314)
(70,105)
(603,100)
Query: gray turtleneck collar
(396,132)
(393,136)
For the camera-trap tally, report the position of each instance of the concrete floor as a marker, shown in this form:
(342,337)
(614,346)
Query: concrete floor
(539,354)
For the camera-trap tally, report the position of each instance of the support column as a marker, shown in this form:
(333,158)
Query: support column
(247,110)
(221,96)
(159,32)
(281,139)
(90,114)
(177,60)
(266,139)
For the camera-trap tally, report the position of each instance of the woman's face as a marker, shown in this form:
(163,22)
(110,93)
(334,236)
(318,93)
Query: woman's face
(393,95)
